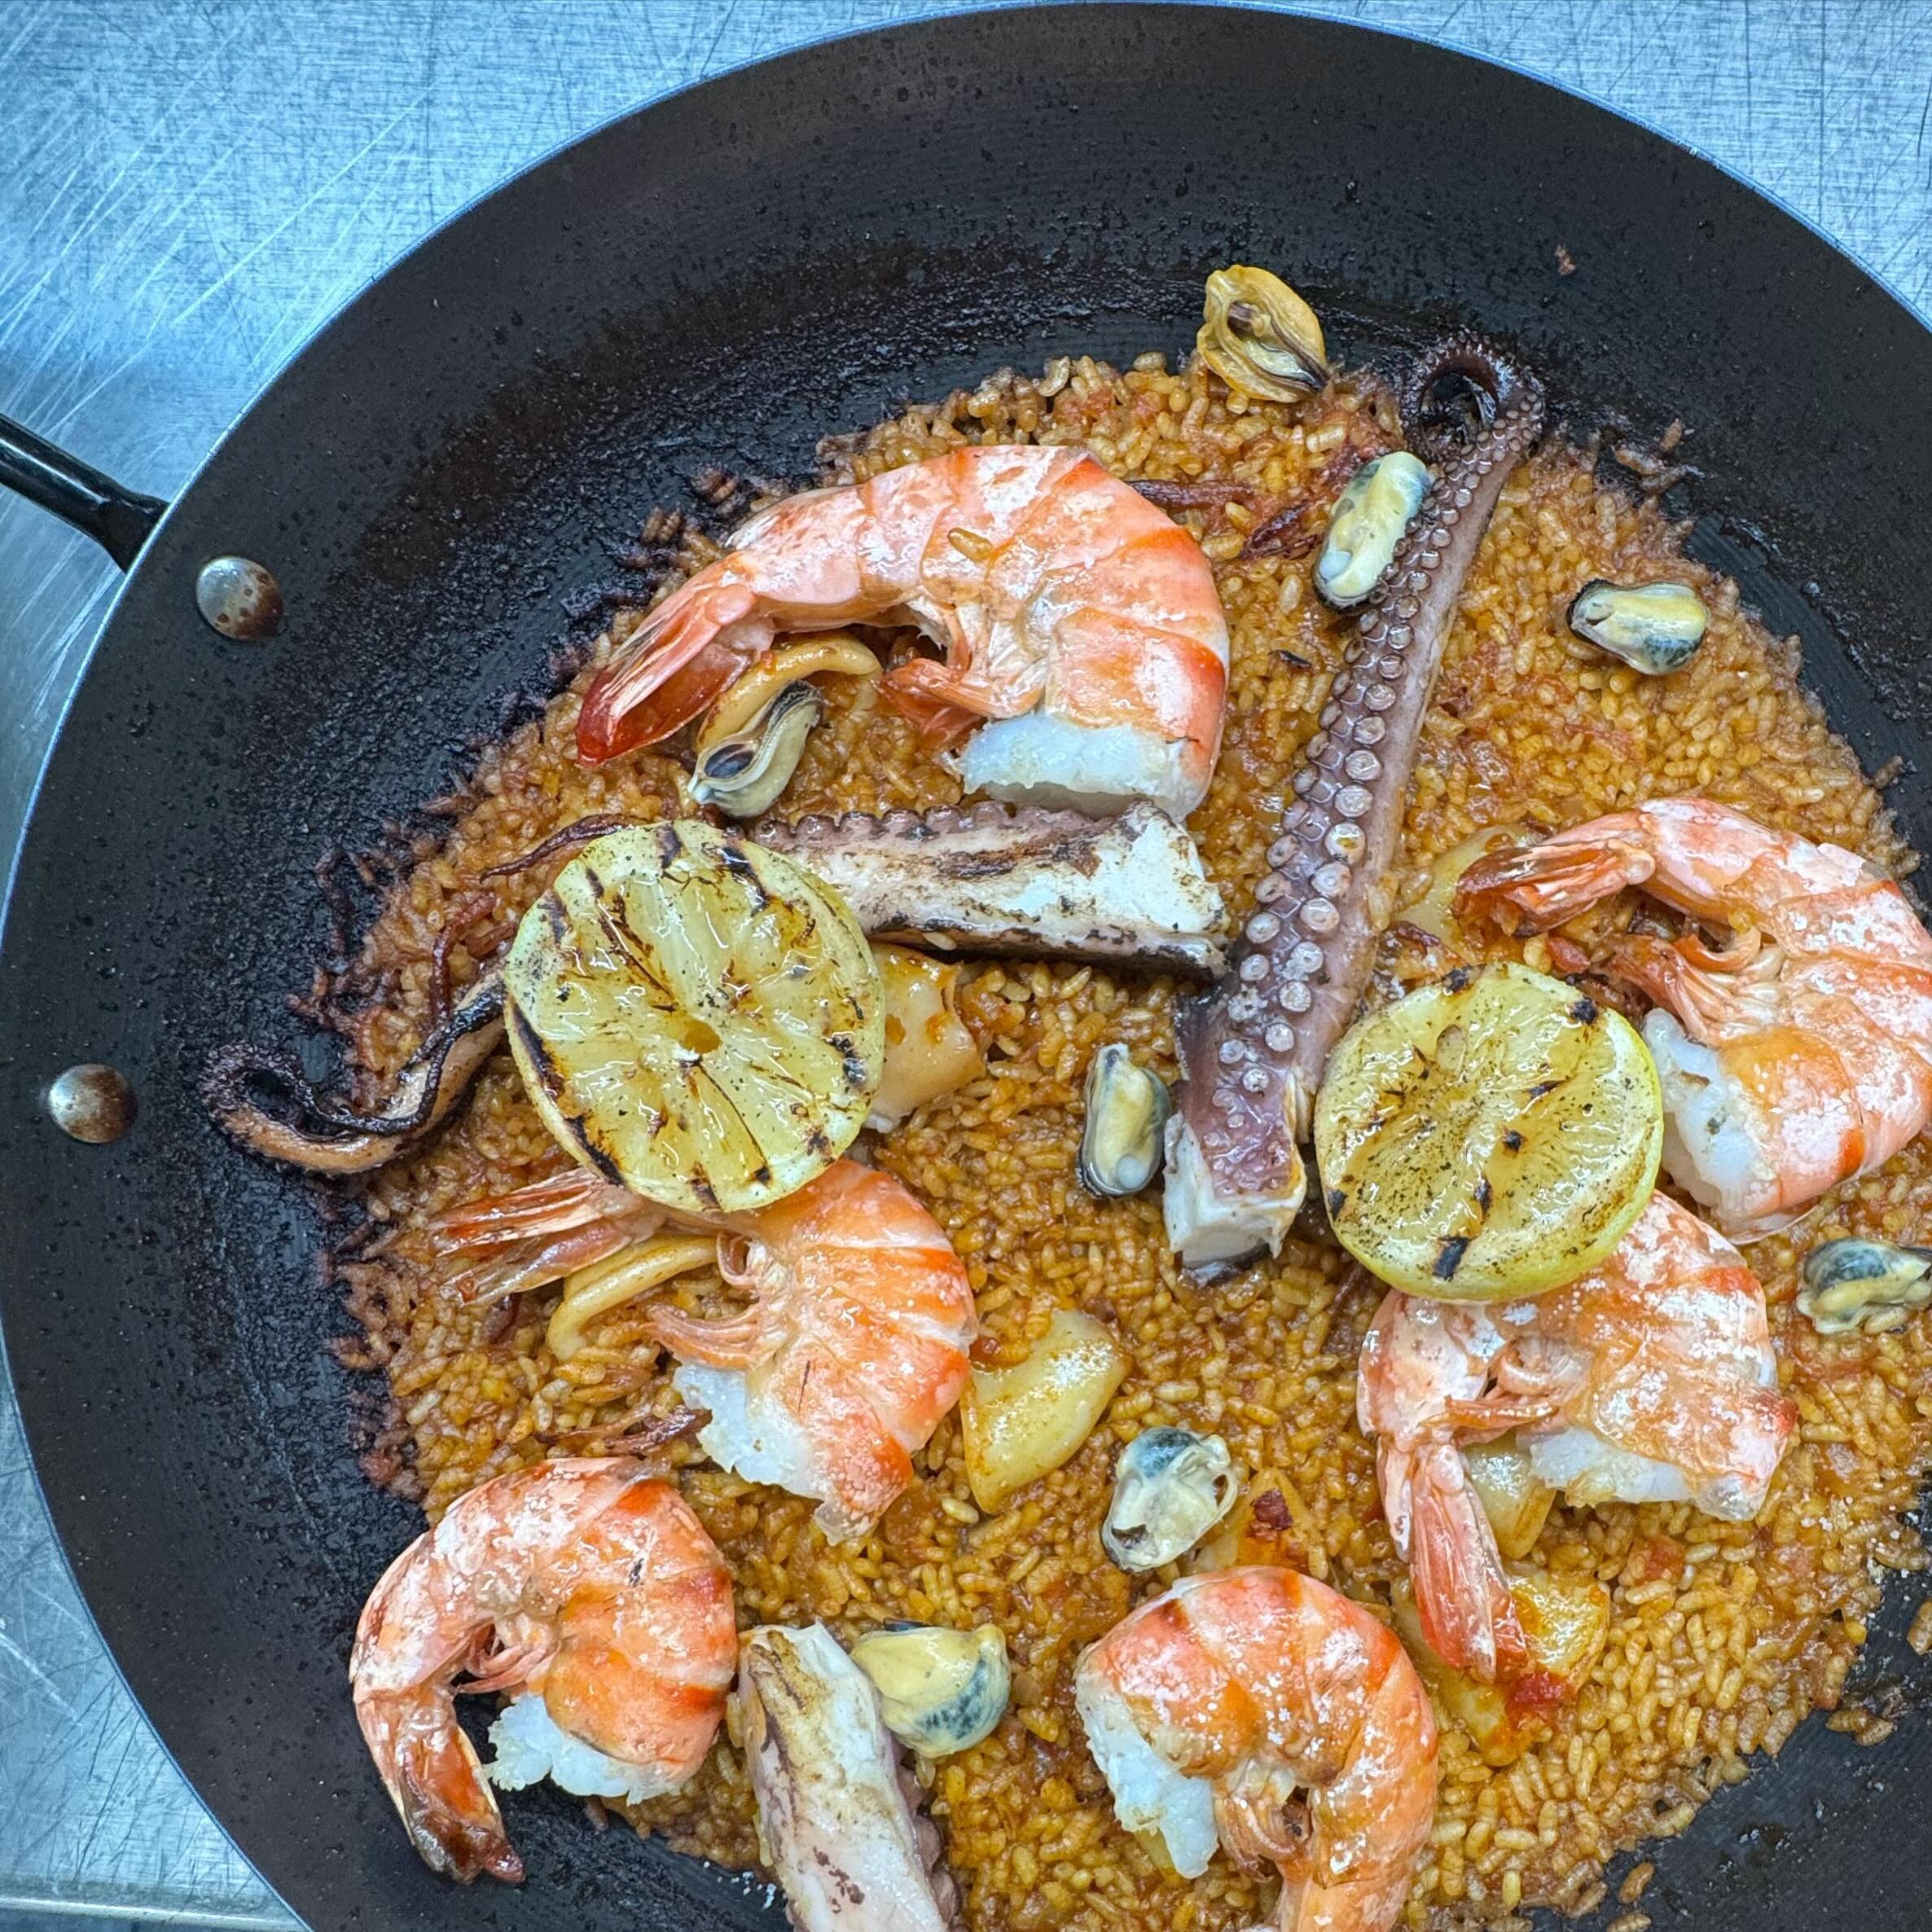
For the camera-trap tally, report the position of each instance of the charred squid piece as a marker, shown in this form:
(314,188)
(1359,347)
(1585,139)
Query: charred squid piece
(1021,881)
(837,1821)
(1252,1051)
(263,1100)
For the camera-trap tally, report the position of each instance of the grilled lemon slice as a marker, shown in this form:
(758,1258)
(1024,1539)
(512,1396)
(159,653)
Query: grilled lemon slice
(1492,1135)
(696,1016)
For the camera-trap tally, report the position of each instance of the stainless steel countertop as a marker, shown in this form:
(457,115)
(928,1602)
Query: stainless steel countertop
(186,192)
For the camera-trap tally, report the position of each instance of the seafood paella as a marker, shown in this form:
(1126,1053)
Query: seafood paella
(1160,1163)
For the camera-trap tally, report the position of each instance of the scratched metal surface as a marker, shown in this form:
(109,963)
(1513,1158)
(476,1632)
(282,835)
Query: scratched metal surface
(186,192)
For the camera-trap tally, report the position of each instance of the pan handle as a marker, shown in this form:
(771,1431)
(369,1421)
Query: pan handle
(118,519)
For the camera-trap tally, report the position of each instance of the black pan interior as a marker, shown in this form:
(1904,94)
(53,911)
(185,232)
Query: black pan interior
(719,279)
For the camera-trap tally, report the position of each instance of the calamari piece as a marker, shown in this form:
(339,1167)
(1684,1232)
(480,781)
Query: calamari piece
(1034,884)
(834,1819)
(929,1050)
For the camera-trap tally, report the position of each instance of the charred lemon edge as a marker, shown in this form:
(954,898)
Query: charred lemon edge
(841,993)
(1547,1240)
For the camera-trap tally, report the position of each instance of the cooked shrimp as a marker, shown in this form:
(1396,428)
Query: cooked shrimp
(1800,1056)
(1068,609)
(852,1351)
(591,1591)
(1209,1707)
(1651,1379)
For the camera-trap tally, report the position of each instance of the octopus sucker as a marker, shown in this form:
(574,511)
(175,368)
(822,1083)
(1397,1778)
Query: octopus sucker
(1252,1050)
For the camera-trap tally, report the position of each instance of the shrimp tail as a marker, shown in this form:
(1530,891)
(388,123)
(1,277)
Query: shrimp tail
(1462,1593)
(538,1234)
(675,663)
(1532,890)
(430,1770)
(571,1199)
(529,1264)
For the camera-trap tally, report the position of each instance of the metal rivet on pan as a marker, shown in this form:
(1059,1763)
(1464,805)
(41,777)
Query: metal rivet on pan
(239,598)
(92,1103)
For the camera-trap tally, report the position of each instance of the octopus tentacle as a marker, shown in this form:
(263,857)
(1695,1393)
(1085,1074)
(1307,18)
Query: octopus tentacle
(979,878)
(1024,880)
(1252,1050)
(322,1135)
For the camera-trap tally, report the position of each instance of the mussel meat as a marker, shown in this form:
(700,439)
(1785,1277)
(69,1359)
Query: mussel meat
(1170,1487)
(1868,1285)
(743,775)
(1260,337)
(1126,1117)
(1654,628)
(1514,1499)
(1377,505)
(941,1690)
(750,745)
